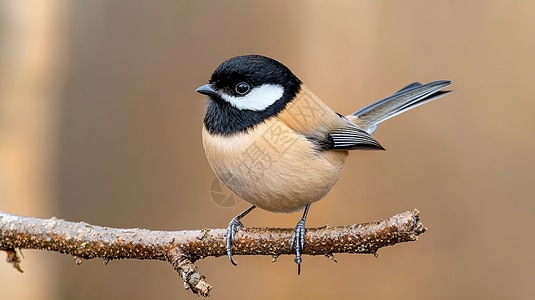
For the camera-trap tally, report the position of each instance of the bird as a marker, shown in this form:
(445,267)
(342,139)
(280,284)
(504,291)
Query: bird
(278,146)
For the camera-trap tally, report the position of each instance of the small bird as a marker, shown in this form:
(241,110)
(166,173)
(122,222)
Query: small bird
(271,141)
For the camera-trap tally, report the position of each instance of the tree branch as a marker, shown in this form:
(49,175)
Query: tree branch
(183,248)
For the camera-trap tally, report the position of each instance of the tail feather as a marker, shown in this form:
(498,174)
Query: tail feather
(410,85)
(409,97)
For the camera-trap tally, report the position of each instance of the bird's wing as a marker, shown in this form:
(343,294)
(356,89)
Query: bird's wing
(353,138)
(348,137)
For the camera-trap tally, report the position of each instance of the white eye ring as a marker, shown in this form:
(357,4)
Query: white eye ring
(258,98)
(242,88)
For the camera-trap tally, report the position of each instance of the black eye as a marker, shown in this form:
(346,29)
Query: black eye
(242,88)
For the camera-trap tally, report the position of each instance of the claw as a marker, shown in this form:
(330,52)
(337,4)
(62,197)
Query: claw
(298,243)
(229,253)
(231,236)
(232,228)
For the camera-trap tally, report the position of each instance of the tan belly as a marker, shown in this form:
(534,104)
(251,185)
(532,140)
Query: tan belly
(272,167)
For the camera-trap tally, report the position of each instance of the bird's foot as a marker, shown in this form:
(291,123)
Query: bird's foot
(230,236)
(298,242)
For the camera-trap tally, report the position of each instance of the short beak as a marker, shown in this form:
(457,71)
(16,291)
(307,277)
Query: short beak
(206,90)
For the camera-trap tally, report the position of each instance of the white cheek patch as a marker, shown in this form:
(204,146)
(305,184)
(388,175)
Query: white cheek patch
(258,98)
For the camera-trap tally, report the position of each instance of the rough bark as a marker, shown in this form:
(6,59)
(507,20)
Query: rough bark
(183,248)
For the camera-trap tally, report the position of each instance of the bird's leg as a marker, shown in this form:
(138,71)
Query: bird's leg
(232,228)
(298,239)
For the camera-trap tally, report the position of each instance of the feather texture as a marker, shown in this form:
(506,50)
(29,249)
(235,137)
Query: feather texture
(409,97)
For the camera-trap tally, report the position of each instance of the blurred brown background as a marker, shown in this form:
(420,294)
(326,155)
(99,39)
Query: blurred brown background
(99,122)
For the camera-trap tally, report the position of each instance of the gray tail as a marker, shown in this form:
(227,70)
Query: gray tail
(409,97)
